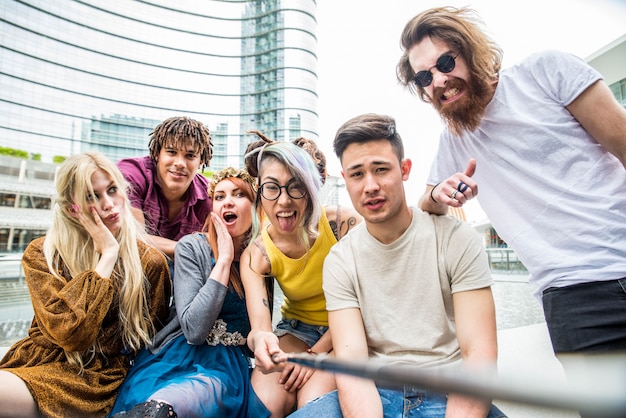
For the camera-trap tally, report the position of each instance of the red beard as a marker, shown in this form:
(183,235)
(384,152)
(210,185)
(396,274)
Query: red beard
(465,113)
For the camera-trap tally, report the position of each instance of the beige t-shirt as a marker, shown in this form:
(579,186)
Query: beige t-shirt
(404,289)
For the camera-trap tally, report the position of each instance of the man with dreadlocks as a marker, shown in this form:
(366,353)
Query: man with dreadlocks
(168,194)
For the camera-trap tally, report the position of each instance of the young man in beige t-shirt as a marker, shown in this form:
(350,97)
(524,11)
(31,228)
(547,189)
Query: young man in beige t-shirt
(404,287)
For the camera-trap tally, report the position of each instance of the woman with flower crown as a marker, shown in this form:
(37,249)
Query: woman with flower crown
(199,364)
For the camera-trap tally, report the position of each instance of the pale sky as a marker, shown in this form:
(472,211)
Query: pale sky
(359,47)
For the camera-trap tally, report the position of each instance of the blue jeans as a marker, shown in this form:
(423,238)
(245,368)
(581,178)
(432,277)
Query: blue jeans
(587,317)
(307,333)
(407,403)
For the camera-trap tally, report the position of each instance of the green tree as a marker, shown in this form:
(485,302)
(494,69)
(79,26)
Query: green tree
(14,152)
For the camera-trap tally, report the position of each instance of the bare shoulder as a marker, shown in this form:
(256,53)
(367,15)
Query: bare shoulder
(342,219)
(256,257)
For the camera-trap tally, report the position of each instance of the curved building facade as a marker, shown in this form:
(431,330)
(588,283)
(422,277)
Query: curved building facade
(78,75)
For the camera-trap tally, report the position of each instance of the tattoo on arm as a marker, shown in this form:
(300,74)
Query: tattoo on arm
(343,228)
(349,223)
(333,226)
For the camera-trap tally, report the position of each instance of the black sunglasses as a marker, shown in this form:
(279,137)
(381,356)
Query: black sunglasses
(445,64)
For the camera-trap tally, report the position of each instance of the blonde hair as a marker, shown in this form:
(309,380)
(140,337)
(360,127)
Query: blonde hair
(70,249)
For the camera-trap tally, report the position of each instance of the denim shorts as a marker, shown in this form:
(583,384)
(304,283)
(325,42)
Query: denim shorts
(404,403)
(307,333)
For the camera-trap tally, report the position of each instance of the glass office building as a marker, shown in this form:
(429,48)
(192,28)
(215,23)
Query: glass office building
(78,75)
(610,60)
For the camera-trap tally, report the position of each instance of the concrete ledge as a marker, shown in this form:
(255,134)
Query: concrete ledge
(527,352)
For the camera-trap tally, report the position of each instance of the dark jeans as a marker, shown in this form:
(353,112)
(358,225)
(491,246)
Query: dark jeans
(588,317)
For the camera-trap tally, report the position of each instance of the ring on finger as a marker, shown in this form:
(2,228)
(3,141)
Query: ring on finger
(453,194)
(462,187)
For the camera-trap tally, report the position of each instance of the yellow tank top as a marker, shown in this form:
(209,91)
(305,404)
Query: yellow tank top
(301,279)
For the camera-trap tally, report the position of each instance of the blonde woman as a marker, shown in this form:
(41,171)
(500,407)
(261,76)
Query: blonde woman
(99,294)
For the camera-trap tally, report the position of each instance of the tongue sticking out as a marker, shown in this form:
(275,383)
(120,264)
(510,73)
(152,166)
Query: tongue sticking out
(287,223)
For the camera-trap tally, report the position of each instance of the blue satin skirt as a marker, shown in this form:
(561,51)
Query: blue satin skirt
(197,380)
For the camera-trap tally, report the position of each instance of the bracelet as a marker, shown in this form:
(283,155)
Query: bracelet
(308,350)
(431,192)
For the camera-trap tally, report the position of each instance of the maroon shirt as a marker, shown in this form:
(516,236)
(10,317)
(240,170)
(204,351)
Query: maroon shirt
(145,193)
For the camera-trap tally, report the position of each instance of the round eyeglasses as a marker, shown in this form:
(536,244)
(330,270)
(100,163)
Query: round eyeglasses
(445,64)
(272,191)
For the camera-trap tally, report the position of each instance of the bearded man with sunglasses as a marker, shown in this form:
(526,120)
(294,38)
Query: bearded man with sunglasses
(546,141)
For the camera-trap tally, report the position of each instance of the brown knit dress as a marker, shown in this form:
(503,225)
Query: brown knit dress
(71,315)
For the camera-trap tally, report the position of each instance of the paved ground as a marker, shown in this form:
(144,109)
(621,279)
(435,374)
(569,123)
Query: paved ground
(515,304)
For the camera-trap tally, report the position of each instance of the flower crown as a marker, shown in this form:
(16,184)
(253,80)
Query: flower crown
(229,172)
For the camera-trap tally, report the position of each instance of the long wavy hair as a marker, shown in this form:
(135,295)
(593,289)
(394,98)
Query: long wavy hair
(244,182)
(70,249)
(462,30)
(303,169)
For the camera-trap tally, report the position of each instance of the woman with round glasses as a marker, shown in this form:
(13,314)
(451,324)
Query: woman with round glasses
(291,246)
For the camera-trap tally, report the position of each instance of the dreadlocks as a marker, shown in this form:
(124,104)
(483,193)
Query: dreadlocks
(177,132)
(250,157)
(318,156)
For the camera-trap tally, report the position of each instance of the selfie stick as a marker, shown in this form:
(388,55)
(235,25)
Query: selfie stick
(604,396)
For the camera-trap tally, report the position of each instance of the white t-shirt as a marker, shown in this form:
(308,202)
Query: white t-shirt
(404,289)
(555,195)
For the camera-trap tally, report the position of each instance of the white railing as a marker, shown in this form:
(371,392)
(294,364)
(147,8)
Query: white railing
(504,259)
